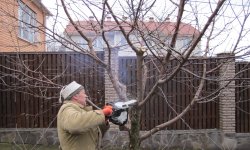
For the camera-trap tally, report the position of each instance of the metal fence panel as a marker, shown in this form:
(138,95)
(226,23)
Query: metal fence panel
(28,103)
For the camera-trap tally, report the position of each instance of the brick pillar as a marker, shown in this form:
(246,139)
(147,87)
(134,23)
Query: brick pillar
(227,95)
(110,93)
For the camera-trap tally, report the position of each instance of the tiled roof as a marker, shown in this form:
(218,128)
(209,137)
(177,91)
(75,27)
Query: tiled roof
(167,28)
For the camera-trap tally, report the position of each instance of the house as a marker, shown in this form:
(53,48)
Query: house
(22,25)
(156,30)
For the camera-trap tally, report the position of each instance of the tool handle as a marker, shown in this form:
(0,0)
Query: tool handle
(94,105)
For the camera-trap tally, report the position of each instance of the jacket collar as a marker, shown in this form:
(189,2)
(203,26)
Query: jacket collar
(79,105)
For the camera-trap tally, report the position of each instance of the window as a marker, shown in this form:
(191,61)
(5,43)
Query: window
(168,40)
(186,42)
(81,42)
(98,44)
(123,41)
(27,22)
(110,37)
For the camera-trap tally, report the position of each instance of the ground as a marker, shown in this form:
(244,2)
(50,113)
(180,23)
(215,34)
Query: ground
(7,146)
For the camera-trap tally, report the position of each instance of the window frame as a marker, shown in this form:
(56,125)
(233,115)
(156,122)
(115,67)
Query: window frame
(98,43)
(27,23)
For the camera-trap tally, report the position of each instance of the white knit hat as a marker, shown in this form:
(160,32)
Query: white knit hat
(67,90)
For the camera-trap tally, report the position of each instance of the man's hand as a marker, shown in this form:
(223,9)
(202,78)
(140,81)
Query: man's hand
(107,110)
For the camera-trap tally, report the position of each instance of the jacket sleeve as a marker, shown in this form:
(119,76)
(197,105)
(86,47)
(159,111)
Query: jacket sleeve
(75,121)
(104,128)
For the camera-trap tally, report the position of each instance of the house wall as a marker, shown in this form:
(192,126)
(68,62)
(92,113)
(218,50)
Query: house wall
(125,50)
(9,40)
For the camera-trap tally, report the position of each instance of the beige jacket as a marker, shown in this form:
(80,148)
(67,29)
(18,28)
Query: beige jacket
(78,127)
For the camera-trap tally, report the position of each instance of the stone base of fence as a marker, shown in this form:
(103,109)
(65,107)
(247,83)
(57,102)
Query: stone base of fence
(210,139)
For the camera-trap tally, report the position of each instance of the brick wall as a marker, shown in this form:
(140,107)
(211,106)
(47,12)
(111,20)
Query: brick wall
(9,40)
(110,93)
(227,94)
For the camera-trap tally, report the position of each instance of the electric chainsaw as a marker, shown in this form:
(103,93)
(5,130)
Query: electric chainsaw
(120,111)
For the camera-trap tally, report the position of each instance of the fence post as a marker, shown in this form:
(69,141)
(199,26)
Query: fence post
(227,94)
(110,93)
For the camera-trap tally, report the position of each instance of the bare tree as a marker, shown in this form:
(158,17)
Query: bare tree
(214,24)
(152,44)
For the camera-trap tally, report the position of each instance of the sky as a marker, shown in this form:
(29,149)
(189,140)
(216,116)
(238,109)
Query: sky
(61,22)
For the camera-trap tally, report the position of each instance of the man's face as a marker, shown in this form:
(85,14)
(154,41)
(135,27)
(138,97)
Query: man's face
(81,97)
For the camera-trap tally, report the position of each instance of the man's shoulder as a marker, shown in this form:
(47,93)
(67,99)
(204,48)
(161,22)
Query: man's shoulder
(67,103)
(70,105)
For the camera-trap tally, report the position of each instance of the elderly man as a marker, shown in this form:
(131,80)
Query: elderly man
(78,125)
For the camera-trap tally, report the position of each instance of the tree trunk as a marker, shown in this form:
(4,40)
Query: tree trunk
(134,135)
(136,111)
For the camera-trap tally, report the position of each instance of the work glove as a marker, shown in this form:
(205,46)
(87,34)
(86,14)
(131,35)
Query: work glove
(107,110)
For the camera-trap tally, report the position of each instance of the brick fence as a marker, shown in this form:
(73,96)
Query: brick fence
(227,95)
(15,112)
(224,136)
